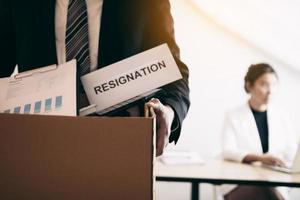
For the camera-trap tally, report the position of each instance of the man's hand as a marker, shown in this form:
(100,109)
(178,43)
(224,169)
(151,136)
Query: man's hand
(164,119)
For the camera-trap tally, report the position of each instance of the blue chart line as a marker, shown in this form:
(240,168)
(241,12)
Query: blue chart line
(58,102)
(48,104)
(17,109)
(27,108)
(37,107)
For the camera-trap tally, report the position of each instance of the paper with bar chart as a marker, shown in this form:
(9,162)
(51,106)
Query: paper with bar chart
(48,90)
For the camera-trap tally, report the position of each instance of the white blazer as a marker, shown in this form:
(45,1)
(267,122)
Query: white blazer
(240,136)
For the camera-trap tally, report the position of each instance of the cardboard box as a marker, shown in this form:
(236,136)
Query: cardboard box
(56,157)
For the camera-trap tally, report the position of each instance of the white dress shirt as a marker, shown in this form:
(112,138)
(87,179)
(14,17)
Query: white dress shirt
(94,8)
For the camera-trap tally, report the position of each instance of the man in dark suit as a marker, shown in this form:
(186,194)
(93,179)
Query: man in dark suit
(34,33)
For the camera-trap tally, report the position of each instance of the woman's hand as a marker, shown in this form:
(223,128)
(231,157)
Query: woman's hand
(271,160)
(264,158)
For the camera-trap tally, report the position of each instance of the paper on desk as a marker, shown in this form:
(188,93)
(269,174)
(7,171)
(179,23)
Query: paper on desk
(48,90)
(181,158)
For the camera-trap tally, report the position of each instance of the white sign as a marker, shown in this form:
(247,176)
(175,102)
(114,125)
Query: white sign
(131,77)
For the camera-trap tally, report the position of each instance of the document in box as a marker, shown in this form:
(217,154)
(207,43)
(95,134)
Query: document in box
(48,90)
(130,78)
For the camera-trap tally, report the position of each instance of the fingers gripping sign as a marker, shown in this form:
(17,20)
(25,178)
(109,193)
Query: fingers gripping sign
(164,118)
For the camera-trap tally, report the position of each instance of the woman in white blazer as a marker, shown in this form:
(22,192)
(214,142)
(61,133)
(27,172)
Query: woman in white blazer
(257,131)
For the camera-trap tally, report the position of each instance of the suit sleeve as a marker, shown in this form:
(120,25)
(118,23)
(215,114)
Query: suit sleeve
(7,36)
(159,29)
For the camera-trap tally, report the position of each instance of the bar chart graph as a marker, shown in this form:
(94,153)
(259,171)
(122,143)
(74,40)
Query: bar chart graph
(38,107)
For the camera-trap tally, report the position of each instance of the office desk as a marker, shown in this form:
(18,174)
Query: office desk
(223,172)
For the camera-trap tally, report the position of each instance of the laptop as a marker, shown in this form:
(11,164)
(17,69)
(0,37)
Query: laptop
(293,168)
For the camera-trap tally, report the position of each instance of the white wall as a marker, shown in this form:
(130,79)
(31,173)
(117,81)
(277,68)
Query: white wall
(218,59)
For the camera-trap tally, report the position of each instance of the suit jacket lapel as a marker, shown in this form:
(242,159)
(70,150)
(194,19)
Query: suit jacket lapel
(121,31)
(46,34)
(35,30)
(110,33)
(52,39)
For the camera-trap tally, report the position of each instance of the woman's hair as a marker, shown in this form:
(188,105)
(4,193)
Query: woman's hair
(255,71)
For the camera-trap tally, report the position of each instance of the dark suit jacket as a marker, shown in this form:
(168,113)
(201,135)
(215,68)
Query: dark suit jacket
(127,27)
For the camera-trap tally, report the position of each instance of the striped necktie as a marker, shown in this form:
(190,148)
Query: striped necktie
(77,39)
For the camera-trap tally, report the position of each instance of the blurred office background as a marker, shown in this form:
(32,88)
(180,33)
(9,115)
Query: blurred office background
(218,41)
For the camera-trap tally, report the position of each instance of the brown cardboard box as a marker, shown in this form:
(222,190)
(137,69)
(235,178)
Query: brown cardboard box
(54,157)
